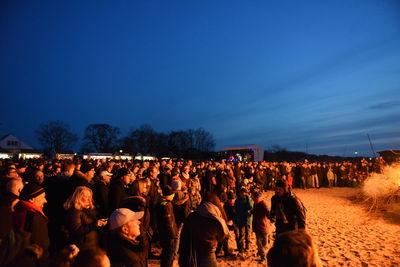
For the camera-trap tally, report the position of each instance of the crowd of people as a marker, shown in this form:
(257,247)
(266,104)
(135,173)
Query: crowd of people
(102,212)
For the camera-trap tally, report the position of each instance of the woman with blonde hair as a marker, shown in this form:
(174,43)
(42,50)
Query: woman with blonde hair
(81,220)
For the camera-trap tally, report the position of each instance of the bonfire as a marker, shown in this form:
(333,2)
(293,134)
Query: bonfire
(382,189)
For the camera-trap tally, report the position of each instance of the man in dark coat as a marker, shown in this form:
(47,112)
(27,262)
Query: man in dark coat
(101,189)
(126,247)
(166,225)
(29,218)
(56,194)
(286,209)
(119,188)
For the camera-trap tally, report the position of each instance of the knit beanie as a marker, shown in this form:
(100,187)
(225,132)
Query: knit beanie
(31,191)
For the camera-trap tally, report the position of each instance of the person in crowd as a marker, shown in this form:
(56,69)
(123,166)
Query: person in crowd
(287,211)
(194,189)
(125,247)
(10,241)
(119,188)
(101,189)
(139,204)
(167,228)
(202,231)
(57,192)
(29,218)
(180,202)
(330,176)
(21,169)
(243,220)
(82,176)
(81,220)
(294,249)
(260,224)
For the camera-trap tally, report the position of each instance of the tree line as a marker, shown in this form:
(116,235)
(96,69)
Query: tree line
(56,137)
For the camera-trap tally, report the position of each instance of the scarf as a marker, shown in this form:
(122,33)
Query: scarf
(209,210)
(20,214)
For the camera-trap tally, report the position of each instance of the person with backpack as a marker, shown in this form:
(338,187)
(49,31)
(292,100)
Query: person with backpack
(287,211)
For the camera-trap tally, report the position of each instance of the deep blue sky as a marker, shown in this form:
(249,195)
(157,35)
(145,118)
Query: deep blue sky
(320,74)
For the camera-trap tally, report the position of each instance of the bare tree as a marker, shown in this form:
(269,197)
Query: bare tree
(203,140)
(174,144)
(55,136)
(101,137)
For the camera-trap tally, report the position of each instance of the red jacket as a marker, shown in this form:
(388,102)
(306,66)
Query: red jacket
(260,217)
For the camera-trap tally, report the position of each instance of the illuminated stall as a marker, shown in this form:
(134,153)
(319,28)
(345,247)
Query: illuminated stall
(244,153)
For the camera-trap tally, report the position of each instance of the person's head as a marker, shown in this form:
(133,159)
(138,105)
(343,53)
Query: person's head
(21,168)
(15,186)
(34,194)
(94,257)
(105,176)
(294,248)
(87,168)
(153,172)
(243,192)
(125,175)
(175,172)
(168,193)
(134,203)
(281,187)
(126,222)
(69,168)
(38,177)
(11,173)
(82,198)
(257,195)
(213,198)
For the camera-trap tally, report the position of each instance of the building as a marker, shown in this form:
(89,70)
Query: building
(244,153)
(11,147)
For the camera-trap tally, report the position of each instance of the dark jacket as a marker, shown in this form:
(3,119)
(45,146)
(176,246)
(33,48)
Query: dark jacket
(288,213)
(243,207)
(100,195)
(166,224)
(125,252)
(118,192)
(82,228)
(29,219)
(260,217)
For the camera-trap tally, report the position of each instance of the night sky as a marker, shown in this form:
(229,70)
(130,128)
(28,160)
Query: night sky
(315,76)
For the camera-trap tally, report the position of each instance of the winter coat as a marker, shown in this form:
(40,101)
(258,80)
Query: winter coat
(260,217)
(243,207)
(118,192)
(166,224)
(81,226)
(125,252)
(288,212)
(27,218)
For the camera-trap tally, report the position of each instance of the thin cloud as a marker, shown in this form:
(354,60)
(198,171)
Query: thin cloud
(385,105)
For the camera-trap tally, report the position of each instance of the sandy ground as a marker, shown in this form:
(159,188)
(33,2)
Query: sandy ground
(346,235)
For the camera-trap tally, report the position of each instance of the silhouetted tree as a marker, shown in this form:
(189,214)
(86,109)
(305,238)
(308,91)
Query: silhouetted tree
(55,136)
(146,140)
(203,140)
(101,137)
